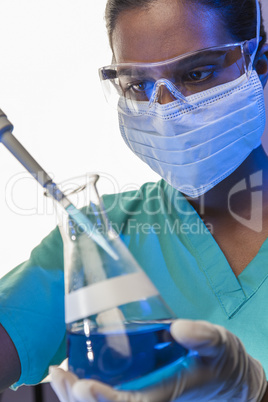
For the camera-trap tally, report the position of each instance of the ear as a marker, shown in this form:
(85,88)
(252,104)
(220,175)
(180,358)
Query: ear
(261,64)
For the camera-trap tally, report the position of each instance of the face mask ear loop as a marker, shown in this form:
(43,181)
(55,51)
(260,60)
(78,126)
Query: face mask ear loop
(172,89)
(258,29)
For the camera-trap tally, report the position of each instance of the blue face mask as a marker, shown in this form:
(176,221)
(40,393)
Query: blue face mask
(195,147)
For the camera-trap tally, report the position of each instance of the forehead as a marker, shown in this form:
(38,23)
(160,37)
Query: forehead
(166,29)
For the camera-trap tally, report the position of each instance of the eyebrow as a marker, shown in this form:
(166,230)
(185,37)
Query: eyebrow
(130,72)
(141,72)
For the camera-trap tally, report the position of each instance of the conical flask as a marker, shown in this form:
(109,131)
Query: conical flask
(117,323)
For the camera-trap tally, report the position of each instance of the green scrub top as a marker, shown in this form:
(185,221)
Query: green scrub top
(178,253)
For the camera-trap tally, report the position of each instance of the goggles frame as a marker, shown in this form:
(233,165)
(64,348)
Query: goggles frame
(108,72)
(111,73)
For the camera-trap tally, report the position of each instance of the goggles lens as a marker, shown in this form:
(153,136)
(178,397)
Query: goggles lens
(177,78)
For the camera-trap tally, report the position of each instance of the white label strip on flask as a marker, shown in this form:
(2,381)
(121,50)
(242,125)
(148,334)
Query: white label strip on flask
(104,295)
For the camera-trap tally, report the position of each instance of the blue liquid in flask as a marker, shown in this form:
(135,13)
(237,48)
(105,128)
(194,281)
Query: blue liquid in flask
(118,357)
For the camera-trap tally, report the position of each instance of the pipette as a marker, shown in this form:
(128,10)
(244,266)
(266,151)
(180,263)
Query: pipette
(23,156)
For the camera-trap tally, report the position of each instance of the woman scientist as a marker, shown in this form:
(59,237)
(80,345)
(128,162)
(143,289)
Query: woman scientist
(188,78)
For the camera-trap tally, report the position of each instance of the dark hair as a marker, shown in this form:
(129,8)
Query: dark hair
(238,15)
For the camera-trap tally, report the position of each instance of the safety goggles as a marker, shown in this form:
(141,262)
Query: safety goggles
(126,85)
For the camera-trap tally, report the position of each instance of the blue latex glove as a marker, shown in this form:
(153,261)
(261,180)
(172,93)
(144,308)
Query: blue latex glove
(223,371)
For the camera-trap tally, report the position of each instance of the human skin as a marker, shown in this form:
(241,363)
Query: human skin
(10,363)
(168,29)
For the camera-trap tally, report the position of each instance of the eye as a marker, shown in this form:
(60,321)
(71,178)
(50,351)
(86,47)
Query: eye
(139,90)
(199,75)
(142,86)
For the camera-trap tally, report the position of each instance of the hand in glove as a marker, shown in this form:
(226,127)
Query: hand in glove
(222,371)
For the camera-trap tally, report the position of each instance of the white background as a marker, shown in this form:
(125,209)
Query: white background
(50,91)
